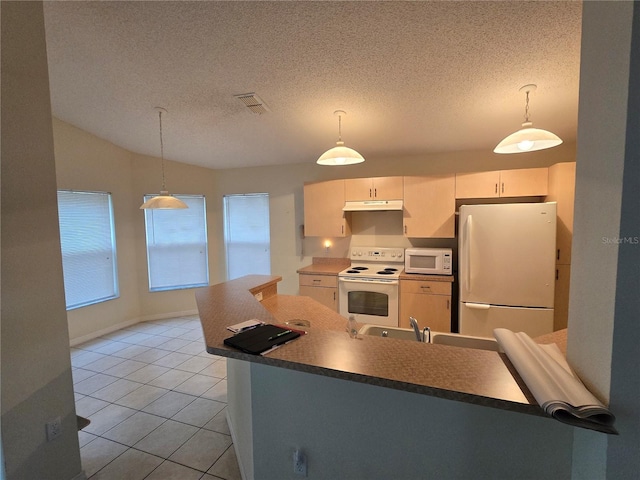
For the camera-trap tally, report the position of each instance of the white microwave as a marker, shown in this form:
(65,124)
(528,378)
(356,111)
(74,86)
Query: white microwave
(430,261)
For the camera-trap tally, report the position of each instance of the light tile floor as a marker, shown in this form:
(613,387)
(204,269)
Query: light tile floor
(156,400)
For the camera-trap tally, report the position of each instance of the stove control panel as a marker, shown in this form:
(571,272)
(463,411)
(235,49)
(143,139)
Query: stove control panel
(377,254)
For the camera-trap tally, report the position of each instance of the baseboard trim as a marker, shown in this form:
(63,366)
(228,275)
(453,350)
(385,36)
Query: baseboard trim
(163,316)
(147,318)
(90,336)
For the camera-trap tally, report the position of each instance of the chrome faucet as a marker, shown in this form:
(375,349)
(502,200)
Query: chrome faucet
(416,329)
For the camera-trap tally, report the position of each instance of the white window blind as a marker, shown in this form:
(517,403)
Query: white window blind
(177,245)
(88,247)
(247,235)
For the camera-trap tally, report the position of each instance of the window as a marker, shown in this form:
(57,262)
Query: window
(88,247)
(247,235)
(177,245)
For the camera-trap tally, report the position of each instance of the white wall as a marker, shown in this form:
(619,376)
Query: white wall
(86,162)
(604,332)
(284,184)
(354,431)
(36,367)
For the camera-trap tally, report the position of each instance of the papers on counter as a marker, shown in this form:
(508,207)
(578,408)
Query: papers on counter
(246,325)
(553,383)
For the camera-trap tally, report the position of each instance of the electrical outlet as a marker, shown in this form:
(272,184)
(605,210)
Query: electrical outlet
(299,463)
(54,429)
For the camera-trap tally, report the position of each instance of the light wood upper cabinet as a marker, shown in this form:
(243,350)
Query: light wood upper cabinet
(562,189)
(478,185)
(526,182)
(429,206)
(376,188)
(428,302)
(323,215)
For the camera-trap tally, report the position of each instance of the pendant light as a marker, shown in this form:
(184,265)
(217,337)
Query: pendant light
(164,201)
(340,155)
(528,139)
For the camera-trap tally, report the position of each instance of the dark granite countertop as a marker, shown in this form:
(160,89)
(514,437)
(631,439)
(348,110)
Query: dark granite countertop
(472,376)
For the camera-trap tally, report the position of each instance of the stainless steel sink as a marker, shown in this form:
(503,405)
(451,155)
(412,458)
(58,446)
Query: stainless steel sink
(442,338)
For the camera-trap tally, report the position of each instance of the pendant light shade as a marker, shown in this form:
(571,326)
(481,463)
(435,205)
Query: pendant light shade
(164,201)
(340,155)
(528,139)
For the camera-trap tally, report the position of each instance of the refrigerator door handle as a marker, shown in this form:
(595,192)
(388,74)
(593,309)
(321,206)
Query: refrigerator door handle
(477,306)
(468,233)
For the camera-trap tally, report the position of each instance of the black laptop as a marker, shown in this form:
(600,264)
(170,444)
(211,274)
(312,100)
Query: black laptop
(260,339)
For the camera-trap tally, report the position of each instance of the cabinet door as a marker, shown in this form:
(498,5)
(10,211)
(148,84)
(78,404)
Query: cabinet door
(478,185)
(526,182)
(433,311)
(388,188)
(429,206)
(323,215)
(326,296)
(562,188)
(358,189)
(561,299)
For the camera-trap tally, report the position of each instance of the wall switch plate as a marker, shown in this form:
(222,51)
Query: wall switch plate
(54,429)
(299,463)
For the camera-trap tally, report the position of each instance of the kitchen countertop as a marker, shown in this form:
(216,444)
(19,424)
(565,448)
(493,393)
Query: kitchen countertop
(473,376)
(323,268)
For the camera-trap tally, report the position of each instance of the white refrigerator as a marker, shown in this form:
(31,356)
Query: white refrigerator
(506,268)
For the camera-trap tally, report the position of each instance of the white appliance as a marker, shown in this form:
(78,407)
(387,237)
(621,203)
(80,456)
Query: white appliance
(368,289)
(506,268)
(430,261)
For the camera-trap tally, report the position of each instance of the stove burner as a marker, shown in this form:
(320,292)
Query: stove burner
(385,272)
(353,271)
(360,268)
(391,269)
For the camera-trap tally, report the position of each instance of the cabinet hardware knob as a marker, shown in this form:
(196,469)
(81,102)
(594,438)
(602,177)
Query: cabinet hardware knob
(405,229)
(496,188)
(502,187)
(375,193)
(370,196)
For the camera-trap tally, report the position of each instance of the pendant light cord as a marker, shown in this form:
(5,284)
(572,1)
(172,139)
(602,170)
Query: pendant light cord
(526,109)
(164,187)
(339,127)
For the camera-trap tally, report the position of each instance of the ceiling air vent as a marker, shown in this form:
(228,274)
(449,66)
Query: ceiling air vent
(253,103)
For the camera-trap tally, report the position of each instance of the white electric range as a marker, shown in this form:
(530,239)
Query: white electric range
(368,289)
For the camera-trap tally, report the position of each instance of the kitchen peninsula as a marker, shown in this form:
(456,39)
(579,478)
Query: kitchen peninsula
(372,407)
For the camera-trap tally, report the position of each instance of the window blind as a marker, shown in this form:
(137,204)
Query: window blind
(177,245)
(87,237)
(247,235)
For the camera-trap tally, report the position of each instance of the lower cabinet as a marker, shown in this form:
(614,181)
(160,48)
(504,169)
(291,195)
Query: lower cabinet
(322,288)
(429,302)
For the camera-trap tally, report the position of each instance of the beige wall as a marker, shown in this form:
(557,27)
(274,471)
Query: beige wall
(86,162)
(36,377)
(284,184)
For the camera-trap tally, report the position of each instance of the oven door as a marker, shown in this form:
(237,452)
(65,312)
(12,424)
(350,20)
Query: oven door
(373,301)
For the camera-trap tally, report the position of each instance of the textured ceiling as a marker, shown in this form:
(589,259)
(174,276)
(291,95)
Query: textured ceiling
(413,77)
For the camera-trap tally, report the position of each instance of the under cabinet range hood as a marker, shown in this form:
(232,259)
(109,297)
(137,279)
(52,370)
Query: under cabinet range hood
(372,205)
